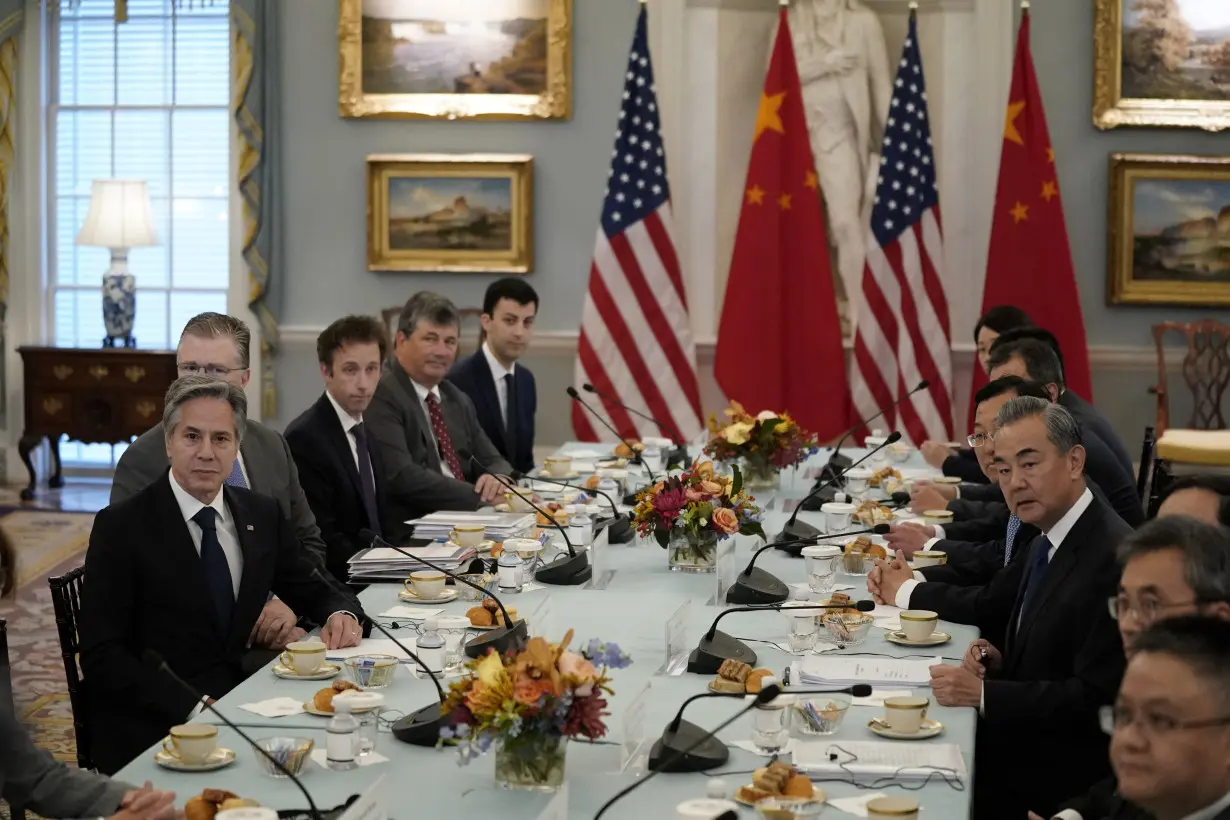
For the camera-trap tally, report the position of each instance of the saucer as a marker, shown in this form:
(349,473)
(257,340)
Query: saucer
(898,637)
(409,596)
(310,708)
(483,546)
(328,670)
(548,477)
(930,728)
(219,758)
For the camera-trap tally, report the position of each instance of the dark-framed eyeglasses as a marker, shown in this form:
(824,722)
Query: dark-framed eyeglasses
(216,370)
(1144,611)
(1117,717)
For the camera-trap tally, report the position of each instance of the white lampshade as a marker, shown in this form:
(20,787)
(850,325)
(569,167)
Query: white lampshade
(119,215)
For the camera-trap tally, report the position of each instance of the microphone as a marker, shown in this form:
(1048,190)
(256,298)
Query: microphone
(567,571)
(621,529)
(636,456)
(679,453)
(715,647)
(766,695)
(795,529)
(795,548)
(755,586)
(152,658)
(502,639)
(685,747)
(837,459)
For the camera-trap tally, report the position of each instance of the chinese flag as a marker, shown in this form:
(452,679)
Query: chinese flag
(1030,264)
(779,342)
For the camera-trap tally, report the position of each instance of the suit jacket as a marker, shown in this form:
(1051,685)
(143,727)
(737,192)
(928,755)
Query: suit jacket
(1102,802)
(1094,422)
(473,375)
(973,563)
(266,459)
(1039,741)
(326,466)
(416,485)
(33,779)
(145,589)
(964,465)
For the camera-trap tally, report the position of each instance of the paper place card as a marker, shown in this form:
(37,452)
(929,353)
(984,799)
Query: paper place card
(854,805)
(677,647)
(632,746)
(411,613)
(371,804)
(727,570)
(369,759)
(274,707)
(878,696)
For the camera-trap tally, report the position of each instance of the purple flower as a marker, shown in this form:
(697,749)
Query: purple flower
(606,654)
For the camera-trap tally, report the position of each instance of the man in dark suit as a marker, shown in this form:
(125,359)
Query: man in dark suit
(183,568)
(1061,657)
(430,437)
(216,345)
(502,389)
(342,475)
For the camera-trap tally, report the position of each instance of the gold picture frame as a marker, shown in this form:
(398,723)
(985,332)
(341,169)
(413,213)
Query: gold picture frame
(1162,81)
(531,85)
(461,213)
(1169,231)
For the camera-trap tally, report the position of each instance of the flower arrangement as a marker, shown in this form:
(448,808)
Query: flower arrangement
(531,701)
(775,439)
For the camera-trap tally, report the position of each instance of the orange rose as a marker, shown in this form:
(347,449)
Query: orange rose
(529,690)
(725,520)
(704,470)
(711,487)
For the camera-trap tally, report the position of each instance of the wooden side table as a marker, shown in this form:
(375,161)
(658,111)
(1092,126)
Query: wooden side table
(95,396)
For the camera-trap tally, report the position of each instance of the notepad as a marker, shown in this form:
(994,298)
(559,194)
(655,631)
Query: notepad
(848,670)
(368,646)
(877,759)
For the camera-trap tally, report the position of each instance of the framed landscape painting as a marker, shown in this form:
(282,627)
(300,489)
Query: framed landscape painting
(1162,62)
(1169,230)
(455,59)
(450,212)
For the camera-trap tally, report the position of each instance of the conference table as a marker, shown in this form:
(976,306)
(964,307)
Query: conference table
(639,598)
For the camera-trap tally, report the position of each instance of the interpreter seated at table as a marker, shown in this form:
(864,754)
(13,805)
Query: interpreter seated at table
(1175,565)
(962,462)
(1170,741)
(426,427)
(1061,657)
(183,568)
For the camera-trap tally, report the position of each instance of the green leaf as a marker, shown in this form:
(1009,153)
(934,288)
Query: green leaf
(737,484)
(769,424)
(663,537)
(753,528)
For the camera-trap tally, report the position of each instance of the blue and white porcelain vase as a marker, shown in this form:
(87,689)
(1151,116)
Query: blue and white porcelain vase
(119,298)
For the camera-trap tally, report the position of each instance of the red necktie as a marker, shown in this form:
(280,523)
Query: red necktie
(445,444)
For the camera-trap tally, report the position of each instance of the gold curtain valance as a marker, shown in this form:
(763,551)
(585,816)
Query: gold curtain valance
(121,6)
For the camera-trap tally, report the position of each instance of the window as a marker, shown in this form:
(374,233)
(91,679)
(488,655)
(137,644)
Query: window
(145,99)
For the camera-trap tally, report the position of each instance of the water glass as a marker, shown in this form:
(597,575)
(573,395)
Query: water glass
(771,726)
(366,732)
(802,632)
(453,628)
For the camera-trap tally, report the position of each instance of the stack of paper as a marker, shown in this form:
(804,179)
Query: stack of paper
(846,670)
(873,760)
(369,646)
(499,526)
(384,564)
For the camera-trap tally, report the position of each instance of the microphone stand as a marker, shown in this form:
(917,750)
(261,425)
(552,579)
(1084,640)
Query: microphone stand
(795,529)
(621,530)
(795,548)
(838,463)
(716,647)
(756,586)
(637,456)
(420,728)
(680,451)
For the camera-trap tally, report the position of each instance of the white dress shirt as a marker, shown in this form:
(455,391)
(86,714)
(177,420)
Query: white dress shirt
(498,372)
(423,393)
(228,536)
(1207,813)
(349,422)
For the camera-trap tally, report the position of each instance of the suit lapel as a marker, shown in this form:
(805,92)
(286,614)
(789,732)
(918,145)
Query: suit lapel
(1057,571)
(415,409)
(252,593)
(490,398)
(180,548)
(254,463)
(331,425)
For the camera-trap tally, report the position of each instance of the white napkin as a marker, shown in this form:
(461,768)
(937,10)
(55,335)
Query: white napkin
(802,592)
(411,613)
(321,757)
(887,616)
(854,805)
(531,586)
(583,465)
(748,746)
(821,648)
(877,697)
(275,707)
(593,454)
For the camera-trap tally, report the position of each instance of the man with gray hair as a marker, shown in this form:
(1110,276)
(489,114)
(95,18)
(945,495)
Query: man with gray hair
(1060,658)
(183,568)
(436,455)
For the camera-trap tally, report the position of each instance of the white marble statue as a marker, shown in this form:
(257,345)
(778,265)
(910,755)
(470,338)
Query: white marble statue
(847,87)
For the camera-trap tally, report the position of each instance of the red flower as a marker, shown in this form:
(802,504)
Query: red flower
(585,718)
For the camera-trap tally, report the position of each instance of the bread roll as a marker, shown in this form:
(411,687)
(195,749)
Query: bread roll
(799,786)
(754,679)
(728,687)
(323,700)
(480,616)
(198,808)
(237,803)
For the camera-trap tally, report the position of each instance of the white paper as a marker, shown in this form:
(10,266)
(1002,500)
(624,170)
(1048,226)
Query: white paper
(869,758)
(583,465)
(274,707)
(878,696)
(532,586)
(411,613)
(846,670)
(320,756)
(854,805)
(583,454)
(368,646)
(748,746)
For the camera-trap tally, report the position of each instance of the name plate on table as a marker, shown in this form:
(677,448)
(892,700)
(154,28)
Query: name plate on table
(597,558)
(727,569)
(677,647)
(633,754)
(370,805)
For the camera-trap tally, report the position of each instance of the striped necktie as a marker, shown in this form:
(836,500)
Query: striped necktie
(1014,527)
(236,479)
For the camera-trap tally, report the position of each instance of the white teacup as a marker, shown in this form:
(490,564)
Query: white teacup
(428,584)
(305,657)
(918,624)
(893,808)
(837,515)
(526,548)
(468,535)
(192,742)
(929,558)
(941,517)
(856,480)
(518,502)
(905,714)
(558,466)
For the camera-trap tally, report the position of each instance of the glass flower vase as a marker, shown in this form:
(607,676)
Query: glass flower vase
(759,473)
(689,552)
(531,762)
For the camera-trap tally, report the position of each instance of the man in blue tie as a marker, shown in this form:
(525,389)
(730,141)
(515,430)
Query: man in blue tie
(183,568)
(1060,657)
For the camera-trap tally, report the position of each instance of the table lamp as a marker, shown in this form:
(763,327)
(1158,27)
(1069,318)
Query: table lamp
(119,219)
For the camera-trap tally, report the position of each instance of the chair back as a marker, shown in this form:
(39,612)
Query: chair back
(1146,463)
(469,340)
(6,669)
(1206,369)
(66,599)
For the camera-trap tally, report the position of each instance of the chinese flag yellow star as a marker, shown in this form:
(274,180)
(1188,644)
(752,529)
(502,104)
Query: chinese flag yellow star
(755,195)
(1050,155)
(811,181)
(769,117)
(783,201)
(1010,131)
(1020,212)
(1049,190)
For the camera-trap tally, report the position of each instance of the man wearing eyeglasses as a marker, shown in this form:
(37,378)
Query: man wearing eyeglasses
(1175,565)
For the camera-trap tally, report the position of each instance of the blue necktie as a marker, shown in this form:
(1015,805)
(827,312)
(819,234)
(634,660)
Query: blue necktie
(217,569)
(1014,527)
(236,479)
(1037,574)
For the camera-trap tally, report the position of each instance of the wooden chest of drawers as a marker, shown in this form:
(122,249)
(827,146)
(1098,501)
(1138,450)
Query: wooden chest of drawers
(95,396)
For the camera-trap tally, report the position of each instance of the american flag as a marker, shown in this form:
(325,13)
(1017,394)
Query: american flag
(903,333)
(636,337)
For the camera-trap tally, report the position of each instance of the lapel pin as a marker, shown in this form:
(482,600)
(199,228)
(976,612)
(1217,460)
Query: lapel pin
(251,528)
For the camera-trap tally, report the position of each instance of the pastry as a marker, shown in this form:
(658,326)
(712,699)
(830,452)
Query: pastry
(198,808)
(877,551)
(880,476)
(839,598)
(623,450)
(591,483)
(499,617)
(480,616)
(727,687)
(773,778)
(799,786)
(870,513)
(237,803)
(323,700)
(211,801)
(491,604)
(754,678)
(734,670)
